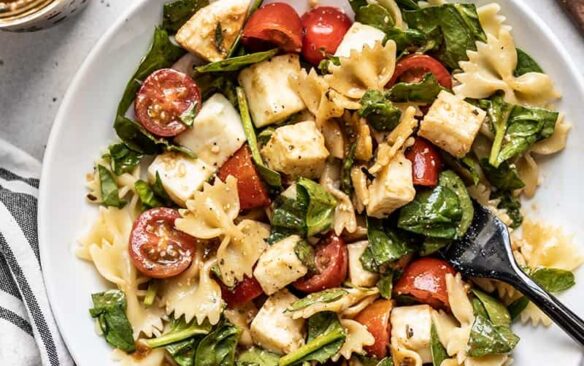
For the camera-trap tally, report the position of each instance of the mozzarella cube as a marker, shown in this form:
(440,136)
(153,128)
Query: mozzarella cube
(358,275)
(452,124)
(410,329)
(297,150)
(274,329)
(217,132)
(181,176)
(392,188)
(269,94)
(279,265)
(199,34)
(357,37)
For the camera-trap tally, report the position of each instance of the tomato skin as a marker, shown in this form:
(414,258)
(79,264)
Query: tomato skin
(242,293)
(331,265)
(375,318)
(425,280)
(157,249)
(426,162)
(162,98)
(412,69)
(275,24)
(250,187)
(324,29)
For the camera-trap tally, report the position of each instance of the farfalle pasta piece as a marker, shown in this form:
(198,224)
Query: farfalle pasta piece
(534,316)
(344,218)
(357,336)
(528,172)
(371,68)
(490,68)
(363,139)
(556,142)
(404,356)
(490,18)
(352,297)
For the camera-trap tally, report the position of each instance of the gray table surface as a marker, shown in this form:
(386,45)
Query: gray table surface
(36,68)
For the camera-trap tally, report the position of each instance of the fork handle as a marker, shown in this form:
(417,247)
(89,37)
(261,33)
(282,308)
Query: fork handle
(551,306)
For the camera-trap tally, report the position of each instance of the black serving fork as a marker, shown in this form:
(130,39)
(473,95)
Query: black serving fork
(485,251)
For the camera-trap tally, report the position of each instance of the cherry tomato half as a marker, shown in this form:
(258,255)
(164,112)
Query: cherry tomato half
(426,162)
(252,191)
(242,293)
(163,97)
(412,69)
(331,266)
(275,24)
(425,280)
(324,29)
(157,248)
(375,318)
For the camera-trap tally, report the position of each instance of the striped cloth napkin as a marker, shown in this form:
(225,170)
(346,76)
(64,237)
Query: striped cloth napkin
(28,333)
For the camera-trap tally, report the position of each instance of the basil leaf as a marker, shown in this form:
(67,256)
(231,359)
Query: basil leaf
(161,193)
(237,63)
(123,159)
(379,111)
(504,177)
(517,306)
(487,338)
(439,353)
(497,312)
(325,338)
(110,196)
(218,347)
(305,252)
(321,206)
(478,308)
(179,330)
(348,162)
(511,205)
(146,195)
(385,285)
(289,214)
(176,13)
(424,91)
(553,279)
(257,357)
(525,64)
(109,308)
(385,246)
(325,296)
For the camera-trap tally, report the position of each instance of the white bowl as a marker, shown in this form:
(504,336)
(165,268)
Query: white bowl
(83,127)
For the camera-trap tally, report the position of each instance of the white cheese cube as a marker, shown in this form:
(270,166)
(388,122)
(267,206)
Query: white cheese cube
(279,266)
(392,188)
(297,150)
(358,275)
(198,34)
(357,37)
(452,124)
(274,329)
(269,94)
(217,132)
(410,329)
(181,176)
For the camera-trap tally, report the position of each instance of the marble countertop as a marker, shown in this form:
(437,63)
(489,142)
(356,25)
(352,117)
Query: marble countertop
(36,68)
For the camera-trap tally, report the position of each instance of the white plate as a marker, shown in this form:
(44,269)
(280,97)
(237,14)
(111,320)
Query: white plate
(83,127)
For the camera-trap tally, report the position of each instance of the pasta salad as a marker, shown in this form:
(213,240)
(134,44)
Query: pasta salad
(283,186)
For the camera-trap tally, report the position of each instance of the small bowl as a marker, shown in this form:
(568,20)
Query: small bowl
(34,15)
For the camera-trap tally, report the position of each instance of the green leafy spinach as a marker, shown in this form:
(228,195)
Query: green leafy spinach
(487,338)
(237,63)
(424,91)
(109,308)
(110,195)
(379,111)
(386,245)
(176,13)
(218,347)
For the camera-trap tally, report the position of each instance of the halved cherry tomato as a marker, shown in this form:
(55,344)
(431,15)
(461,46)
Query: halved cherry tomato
(412,69)
(273,25)
(242,293)
(163,97)
(324,29)
(157,248)
(425,280)
(252,191)
(331,266)
(426,162)
(375,318)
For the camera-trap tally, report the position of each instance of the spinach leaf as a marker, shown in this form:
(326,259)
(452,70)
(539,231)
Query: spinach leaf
(218,347)
(450,180)
(432,245)
(305,252)
(525,64)
(257,357)
(179,331)
(487,338)
(224,83)
(385,245)
(270,176)
(385,285)
(109,308)
(373,361)
(348,162)
(497,312)
(183,352)
(505,177)
(110,195)
(478,308)
(324,65)
(324,296)
(321,206)
(379,111)
(517,306)
(436,214)
(439,353)
(237,63)
(123,159)
(357,4)
(375,15)
(325,338)
(176,13)
(146,195)
(453,27)
(510,204)
(553,279)
(289,215)
(424,91)
(409,39)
